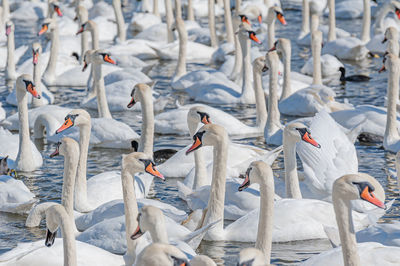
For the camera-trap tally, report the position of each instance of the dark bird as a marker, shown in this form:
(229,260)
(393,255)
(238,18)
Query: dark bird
(352,78)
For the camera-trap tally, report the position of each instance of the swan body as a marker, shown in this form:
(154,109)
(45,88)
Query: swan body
(349,48)
(329,66)
(196,52)
(15,197)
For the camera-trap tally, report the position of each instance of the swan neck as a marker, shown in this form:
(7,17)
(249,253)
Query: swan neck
(37,77)
(273,120)
(190,14)
(346,231)
(181,67)
(247,86)
(200,170)
(305,15)
(332,21)
(391,133)
(159,232)
(120,20)
(178,9)
(228,21)
(211,23)
(131,211)
(316,53)
(287,87)
(291,177)
(67,200)
(98,83)
(271,33)
(10,68)
(147,134)
(169,20)
(94,32)
(261,107)
(156,11)
(237,68)
(81,201)
(366,23)
(51,66)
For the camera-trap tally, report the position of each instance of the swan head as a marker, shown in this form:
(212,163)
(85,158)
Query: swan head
(9,27)
(196,115)
(275,12)
(282,45)
(257,173)
(66,146)
(4,170)
(395,6)
(391,33)
(297,132)
(358,186)
(139,162)
(246,31)
(162,254)
(36,51)
(149,219)
(56,215)
(96,57)
(81,13)
(138,92)
(87,26)
(251,256)
(77,117)
(25,83)
(390,62)
(47,25)
(259,64)
(208,135)
(55,7)
(244,19)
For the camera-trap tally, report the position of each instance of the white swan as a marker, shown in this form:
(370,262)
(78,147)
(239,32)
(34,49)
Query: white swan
(216,136)
(15,197)
(251,255)
(9,50)
(308,101)
(162,254)
(28,157)
(52,252)
(274,12)
(345,189)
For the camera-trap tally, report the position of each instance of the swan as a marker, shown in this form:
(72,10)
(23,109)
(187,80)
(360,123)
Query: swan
(13,55)
(162,254)
(351,48)
(224,93)
(103,187)
(274,12)
(381,23)
(15,196)
(345,189)
(213,135)
(82,16)
(181,66)
(308,101)
(174,122)
(377,44)
(28,157)
(47,96)
(70,252)
(41,10)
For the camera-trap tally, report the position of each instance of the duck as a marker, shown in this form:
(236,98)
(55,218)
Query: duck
(347,188)
(15,196)
(53,251)
(352,78)
(26,157)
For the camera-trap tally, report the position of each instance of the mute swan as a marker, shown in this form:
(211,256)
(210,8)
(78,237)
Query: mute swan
(41,10)
(28,157)
(9,52)
(174,121)
(345,189)
(47,96)
(54,253)
(309,101)
(216,136)
(15,197)
(274,12)
(162,254)
(181,65)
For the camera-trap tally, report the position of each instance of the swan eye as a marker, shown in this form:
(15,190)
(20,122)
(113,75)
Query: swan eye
(204,118)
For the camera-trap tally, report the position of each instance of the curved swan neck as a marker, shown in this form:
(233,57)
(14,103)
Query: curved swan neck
(120,20)
(216,202)
(24,159)
(44,122)
(98,83)
(305,14)
(211,23)
(332,21)
(366,24)
(81,201)
(131,212)
(391,132)
(228,21)
(291,177)
(190,13)
(261,107)
(181,67)
(316,53)
(273,120)
(247,86)
(10,68)
(265,222)
(287,87)
(169,19)
(346,231)
(147,134)
(58,214)
(50,71)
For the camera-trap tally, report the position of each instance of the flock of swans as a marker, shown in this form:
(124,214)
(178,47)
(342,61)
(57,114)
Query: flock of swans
(230,188)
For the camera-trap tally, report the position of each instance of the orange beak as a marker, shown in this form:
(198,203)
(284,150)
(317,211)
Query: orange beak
(254,38)
(195,146)
(58,10)
(383,68)
(153,171)
(35,57)
(244,19)
(79,31)
(85,65)
(260,19)
(272,49)
(131,103)
(370,197)
(109,60)
(307,138)
(67,124)
(138,233)
(8,30)
(398,13)
(205,121)
(55,153)
(281,19)
(32,90)
(43,30)
(246,182)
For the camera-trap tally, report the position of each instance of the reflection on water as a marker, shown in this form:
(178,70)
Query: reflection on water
(46,182)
